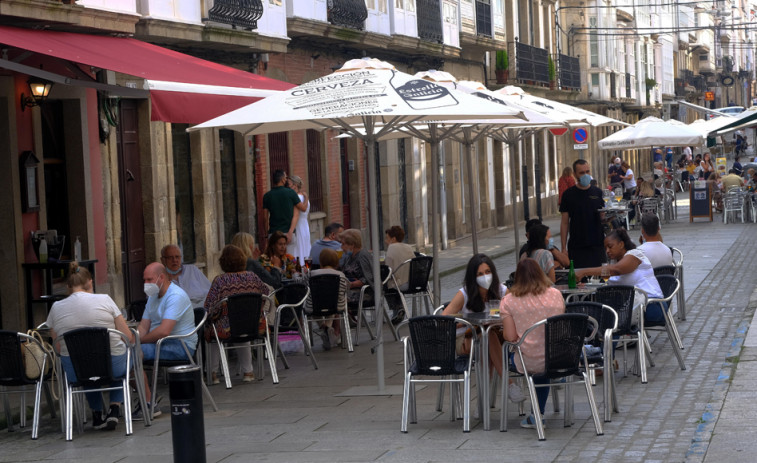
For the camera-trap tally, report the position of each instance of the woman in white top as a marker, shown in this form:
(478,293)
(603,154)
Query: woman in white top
(302,237)
(480,285)
(83,309)
(629,181)
(631,268)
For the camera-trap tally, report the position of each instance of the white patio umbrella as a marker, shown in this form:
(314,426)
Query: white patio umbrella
(649,132)
(365,92)
(704,127)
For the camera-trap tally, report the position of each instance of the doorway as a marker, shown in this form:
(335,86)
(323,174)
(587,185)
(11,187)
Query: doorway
(130,192)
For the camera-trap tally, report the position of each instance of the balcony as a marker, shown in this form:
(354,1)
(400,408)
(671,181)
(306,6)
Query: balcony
(706,66)
(430,21)
(531,64)
(347,13)
(570,72)
(484,18)
(237,13)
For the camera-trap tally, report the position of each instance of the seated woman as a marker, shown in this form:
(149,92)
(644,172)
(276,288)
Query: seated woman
(397,252)
(329,262)
(536,248)
(531,299)
(481,284)
(276,258)
(235,280)
(246,243)
(631,268)
(356,264)
(83,309)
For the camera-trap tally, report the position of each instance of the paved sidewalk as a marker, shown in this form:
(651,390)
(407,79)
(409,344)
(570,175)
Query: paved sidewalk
(307,418)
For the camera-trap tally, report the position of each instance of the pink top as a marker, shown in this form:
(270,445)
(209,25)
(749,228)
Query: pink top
(527,310)
(563,184)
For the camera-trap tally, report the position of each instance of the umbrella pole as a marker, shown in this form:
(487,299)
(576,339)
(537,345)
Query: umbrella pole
(471,190)
(370,145)
(435,217)
(512,146)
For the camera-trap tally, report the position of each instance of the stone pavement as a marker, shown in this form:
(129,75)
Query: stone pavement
(702,413)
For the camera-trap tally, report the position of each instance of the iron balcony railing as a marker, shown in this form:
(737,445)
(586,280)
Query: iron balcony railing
(237,13)
(347,13)
(430,21)
(531,63)
(570,72)
(484,17)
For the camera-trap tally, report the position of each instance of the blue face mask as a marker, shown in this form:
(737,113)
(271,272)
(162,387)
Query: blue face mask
(348,253)
(551,243)
(173,272)
(585,180)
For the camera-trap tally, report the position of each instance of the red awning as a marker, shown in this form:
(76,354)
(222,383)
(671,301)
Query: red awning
(218,89)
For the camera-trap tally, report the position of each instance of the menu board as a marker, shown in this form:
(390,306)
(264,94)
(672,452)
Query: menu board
(700,200)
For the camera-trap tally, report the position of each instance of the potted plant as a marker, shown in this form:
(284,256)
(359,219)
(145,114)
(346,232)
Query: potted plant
(502,67)
(650,83)
(551,72)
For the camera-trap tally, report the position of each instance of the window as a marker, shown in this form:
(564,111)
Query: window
(229,185)
(182,180)
(278,153)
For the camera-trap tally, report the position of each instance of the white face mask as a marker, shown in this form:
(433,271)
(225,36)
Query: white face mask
(151,289)
(484,281)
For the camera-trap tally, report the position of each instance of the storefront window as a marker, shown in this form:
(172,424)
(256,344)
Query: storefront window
(182,178)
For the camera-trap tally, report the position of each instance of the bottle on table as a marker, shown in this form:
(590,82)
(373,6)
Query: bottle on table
(77,250)
(572,276)
(42,249)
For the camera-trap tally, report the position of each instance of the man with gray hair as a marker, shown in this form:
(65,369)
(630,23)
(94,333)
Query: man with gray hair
(187,276)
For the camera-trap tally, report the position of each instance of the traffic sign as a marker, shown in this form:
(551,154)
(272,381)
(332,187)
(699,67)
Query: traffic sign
(709,96)
(580,135)
(558,131)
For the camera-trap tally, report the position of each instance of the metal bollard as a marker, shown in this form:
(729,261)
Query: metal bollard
(187,420)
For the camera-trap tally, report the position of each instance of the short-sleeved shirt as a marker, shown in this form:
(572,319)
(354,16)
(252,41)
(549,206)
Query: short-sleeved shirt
(629,183)
(86,310)
(657,252)
(174,305)
(545,259)
(194,283)
(320,245)
(396,254)
(585,223)
(643,277)
(525,311)
(615,172)
(280,202)
(732,181)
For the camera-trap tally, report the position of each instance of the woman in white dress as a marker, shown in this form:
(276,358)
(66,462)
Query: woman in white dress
(302,237)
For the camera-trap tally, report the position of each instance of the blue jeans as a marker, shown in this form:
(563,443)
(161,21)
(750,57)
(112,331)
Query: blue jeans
(169,350)
(542,393)
(95,399)
(654,315)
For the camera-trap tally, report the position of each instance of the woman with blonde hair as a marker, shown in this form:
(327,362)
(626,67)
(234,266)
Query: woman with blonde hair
(302,229)
(246,243)
(530,299)
(84,309)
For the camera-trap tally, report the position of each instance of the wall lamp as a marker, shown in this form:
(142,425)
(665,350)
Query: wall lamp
(39,89)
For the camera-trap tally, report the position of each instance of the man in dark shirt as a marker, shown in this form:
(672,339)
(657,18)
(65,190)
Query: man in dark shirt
(614,173)
(582,221)
(279,204)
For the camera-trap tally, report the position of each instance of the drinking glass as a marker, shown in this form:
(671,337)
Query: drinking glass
(605,271)
(308,263)
(618,194)
(492,307)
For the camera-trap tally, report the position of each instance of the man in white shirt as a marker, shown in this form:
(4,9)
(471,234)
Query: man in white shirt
(187,276)
(652,246)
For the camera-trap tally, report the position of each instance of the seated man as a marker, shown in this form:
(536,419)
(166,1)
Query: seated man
(168,312)
(659,254)
(732,180)
(330,241)
(187,276)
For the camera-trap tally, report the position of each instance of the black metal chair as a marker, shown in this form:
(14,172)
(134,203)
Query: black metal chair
(89,352)
(13,375)
(564,339)
(621,299)
(291,300)
(602,359)
(325,293)
(429,352)
(244,312)
(670,286)
(367,301)
(419,274)
(200,317)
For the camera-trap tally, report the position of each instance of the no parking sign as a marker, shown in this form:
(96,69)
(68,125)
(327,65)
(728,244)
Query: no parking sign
(580,137)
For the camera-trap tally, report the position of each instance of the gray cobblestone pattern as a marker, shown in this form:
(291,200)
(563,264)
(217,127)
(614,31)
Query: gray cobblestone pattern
(305,419)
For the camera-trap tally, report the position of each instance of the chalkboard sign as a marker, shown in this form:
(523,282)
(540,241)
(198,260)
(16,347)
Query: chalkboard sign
(700,200)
